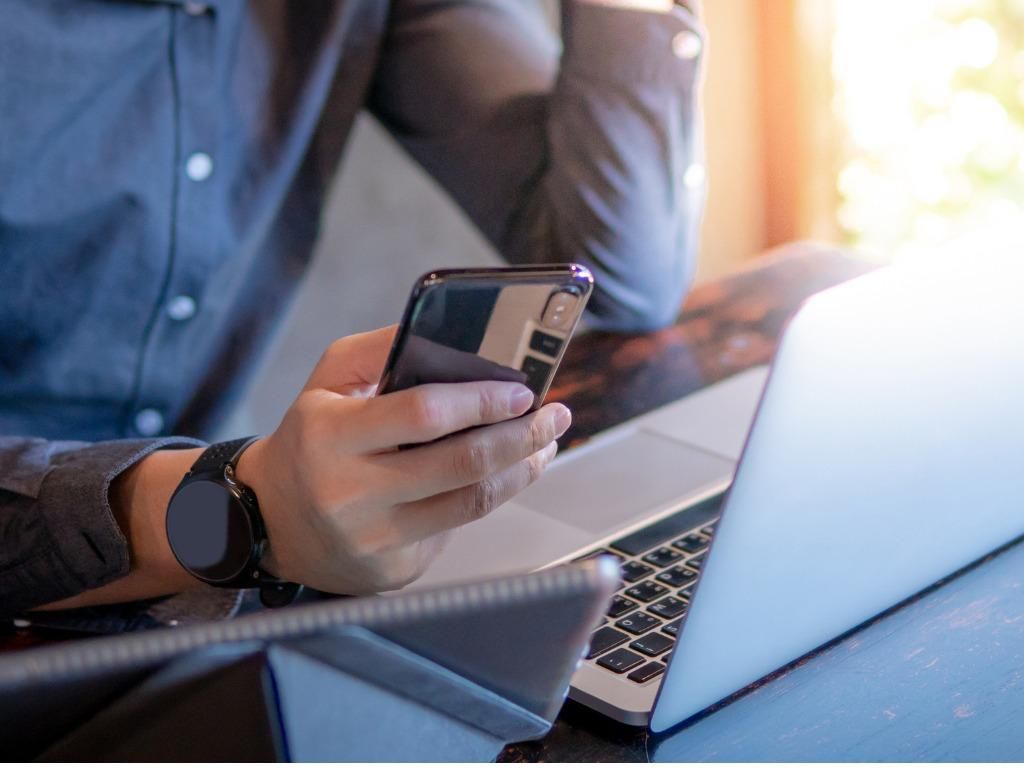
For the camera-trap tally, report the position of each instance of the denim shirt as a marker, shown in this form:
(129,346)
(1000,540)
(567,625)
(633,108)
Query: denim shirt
(162,169)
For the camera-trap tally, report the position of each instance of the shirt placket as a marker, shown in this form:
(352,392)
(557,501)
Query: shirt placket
(195,242)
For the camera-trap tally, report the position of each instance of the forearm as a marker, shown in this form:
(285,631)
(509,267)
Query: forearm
(138,499)
(593,154)
(623,187)
(78,517)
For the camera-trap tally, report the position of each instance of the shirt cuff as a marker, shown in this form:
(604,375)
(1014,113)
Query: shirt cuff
(623,45)
(67,540)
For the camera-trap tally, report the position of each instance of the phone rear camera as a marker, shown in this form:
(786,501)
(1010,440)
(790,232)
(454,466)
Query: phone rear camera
(561,310)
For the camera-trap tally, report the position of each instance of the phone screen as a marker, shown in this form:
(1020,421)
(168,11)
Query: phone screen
(487,328)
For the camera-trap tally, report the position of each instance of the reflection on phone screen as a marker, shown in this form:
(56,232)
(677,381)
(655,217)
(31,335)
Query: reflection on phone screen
(461,331)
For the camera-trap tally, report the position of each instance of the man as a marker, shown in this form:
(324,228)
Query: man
(162,168)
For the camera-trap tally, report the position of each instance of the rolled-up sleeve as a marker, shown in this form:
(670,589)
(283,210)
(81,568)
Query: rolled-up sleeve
(59,534)
(590,151)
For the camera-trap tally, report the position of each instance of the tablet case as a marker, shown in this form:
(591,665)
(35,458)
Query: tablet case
(450,674)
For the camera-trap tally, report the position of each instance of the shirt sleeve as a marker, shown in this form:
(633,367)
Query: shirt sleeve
(59,534)
(589,150)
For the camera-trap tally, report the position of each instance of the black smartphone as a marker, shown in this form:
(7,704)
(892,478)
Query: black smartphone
(501,324)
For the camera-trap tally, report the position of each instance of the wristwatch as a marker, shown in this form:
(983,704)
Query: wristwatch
(215,528)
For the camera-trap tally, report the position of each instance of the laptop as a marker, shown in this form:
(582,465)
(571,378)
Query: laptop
(760,518)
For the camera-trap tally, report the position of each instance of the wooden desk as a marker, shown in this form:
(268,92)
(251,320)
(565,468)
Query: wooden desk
(939,678)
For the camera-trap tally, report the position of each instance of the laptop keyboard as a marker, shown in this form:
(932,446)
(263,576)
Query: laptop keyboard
(660,565)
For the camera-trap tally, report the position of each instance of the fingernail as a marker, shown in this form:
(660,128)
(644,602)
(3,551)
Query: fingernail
(520,400)
(562,419)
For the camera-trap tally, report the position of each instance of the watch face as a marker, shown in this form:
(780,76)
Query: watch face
(209,531)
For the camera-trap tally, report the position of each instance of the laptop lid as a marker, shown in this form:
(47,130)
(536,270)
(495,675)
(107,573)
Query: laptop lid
(887,452)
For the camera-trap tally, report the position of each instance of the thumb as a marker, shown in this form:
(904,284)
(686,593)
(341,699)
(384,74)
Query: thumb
(353,362)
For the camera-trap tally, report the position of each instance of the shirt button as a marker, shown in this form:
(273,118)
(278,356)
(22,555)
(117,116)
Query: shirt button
(199,166)
(181,308)
(149,422)
(687,45)
(693,177)
(196,9)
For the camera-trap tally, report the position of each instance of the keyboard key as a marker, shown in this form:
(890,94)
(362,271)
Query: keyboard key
(672,628)
(634,571)
(686,594)
(662,557)
(668,608)
(536,371)
(653,644)
(695,562)
(621,660)
(637,623)
(691,544)
(604,640)
(545,343)
(621,605)
(677,577)
(646,591)
(647,672)
(708,530)
(669,528)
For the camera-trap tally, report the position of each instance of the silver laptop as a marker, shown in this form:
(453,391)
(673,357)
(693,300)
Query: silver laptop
(887,452)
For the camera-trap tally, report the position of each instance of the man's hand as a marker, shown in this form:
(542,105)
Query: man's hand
(346,511)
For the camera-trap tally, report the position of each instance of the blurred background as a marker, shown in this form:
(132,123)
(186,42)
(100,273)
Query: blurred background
(896,128)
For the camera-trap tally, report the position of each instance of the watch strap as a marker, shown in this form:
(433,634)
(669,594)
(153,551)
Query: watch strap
(217,455)
(274,592)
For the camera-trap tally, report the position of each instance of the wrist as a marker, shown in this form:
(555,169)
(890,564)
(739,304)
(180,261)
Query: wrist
(249,472)
(247,468)
(138,499)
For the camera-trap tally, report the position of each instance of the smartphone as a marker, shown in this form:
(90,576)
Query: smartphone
(501,324)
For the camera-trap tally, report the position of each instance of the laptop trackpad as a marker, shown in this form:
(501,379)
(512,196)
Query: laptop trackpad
(600,487)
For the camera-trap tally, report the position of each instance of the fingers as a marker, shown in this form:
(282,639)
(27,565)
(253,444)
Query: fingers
(353,361)
(421,519)
(472,457)
(425,413)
